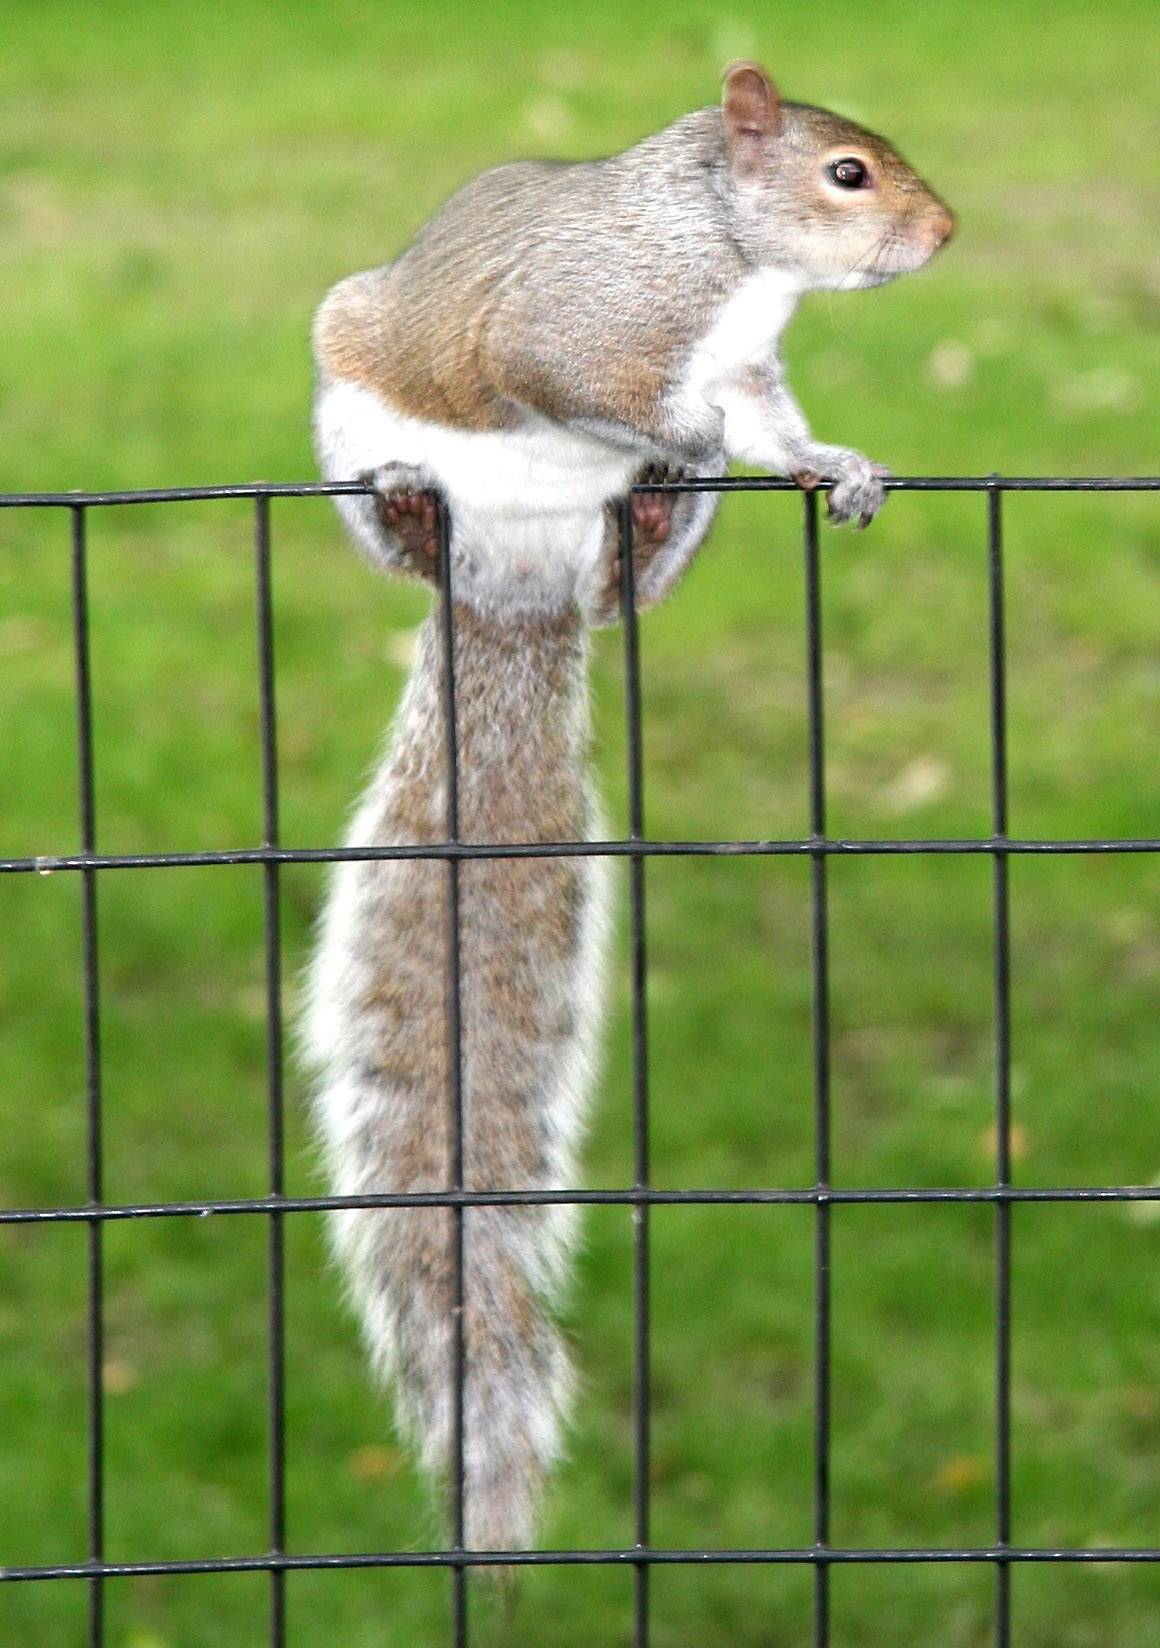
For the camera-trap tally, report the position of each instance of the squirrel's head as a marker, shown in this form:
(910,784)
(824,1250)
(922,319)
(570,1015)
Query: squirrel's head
(831,203)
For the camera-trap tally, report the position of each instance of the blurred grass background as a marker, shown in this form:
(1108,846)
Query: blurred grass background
(178,187)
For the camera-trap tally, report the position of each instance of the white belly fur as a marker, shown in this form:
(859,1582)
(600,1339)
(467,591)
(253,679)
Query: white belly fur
(527,504)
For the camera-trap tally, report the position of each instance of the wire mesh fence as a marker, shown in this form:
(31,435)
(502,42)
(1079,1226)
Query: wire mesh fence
(642,1556)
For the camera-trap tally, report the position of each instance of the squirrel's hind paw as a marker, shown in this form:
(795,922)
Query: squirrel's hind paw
(408,512)
(667,527)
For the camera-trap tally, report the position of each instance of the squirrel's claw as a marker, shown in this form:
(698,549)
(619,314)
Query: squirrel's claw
(853,485)
(857,493)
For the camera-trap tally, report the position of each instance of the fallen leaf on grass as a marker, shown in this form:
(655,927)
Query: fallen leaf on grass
(373,1463)
(950,365)
(959,1475)
(22,633)
(1018,1142)
(1145,1213)
(1141,1401)
(548,117)
(1103,389)
(118,1376)
(924,780)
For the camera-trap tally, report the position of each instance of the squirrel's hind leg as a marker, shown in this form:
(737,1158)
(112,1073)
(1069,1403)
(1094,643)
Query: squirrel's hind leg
(668,529)
(395,524)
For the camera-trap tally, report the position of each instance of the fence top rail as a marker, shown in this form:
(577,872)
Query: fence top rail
(720,483)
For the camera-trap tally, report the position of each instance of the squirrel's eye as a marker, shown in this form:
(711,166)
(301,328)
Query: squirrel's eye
(848,173)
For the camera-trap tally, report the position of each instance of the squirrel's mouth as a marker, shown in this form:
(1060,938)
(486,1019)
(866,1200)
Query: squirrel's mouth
(860,279)
(892,255)
(901,260)
(878,277)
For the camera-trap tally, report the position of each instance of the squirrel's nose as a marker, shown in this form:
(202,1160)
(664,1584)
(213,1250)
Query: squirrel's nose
(941,229)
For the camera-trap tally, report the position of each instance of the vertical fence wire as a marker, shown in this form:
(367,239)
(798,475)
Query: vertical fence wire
(640,1116)
(1002,944)
(92,1045)
(276,1256)
(820,968)
(455,1067)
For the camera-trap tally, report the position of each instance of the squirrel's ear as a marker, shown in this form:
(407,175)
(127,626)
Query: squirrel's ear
(752,110)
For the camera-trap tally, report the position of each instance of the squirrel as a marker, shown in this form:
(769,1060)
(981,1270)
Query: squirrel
(555,336)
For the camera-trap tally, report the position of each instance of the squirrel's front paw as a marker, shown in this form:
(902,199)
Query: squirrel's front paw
(856,492)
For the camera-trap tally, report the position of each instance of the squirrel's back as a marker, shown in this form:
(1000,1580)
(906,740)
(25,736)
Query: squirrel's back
(532,258)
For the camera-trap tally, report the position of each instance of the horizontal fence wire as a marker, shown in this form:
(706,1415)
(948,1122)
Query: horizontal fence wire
(630,1556)
(818,847)
(630,1196)
(807,847)
(721,483)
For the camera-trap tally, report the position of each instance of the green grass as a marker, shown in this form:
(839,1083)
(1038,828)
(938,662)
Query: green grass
(178,187)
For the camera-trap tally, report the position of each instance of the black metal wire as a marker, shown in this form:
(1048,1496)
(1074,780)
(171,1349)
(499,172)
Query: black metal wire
(821,1555)
(92,1041)
(631,1556)
(455,1067)
(276,1258)
(819,951)
(716,483)
(806,847)
(640,1122)
(631,1196)
(998,672)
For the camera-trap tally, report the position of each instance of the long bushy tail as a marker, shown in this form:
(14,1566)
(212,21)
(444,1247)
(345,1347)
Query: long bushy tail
(516,1376)
(531,946)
